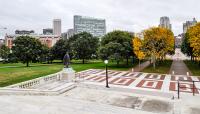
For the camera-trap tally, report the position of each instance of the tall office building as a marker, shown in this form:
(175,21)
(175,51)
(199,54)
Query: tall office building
(48,31)
(94,26)
(57,27)
(68,34)
(25,32)
(165,23)
(189,24)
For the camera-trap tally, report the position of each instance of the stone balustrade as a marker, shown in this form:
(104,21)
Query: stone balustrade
(38,81)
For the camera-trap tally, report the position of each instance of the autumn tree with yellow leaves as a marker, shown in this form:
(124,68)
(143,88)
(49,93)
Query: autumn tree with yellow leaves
(194,40)
(138,49)
(158,42)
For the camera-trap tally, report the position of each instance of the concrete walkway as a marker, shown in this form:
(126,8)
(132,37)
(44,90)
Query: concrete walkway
(141,67)
(179,68)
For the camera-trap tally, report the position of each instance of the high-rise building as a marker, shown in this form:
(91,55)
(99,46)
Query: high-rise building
(178,41)
(25,32)
(165,23)
(57,27)
(189,24)
(94,26)
(68,34)
(48,31)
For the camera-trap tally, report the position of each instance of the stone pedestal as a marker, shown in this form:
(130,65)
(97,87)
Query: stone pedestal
(68,74)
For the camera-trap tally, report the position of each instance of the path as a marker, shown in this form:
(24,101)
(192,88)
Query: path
(141,67)
(178,66)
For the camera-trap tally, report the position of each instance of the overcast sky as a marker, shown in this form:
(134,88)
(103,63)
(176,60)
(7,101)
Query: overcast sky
(130,15)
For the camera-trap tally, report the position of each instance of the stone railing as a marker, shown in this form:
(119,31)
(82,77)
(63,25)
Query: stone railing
(38,81)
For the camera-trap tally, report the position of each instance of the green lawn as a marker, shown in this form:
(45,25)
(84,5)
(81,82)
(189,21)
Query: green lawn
(162,68)
(194,67)
(100,65)
(18,72)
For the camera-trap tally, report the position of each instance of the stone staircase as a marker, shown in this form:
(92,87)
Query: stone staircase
(48,85)
(51,89)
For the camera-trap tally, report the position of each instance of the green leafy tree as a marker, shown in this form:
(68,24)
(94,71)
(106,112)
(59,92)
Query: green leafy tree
(84,46)
(118,45)
(185,47)
(4,52)
(12,58)
(44,53)
(27,49)
(59,49)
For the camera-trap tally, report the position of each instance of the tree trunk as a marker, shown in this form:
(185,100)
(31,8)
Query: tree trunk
(127,61)
(27,63)
(117,63)
(83,61)
(199,63)
(154,63)
(133,60)
(139,64)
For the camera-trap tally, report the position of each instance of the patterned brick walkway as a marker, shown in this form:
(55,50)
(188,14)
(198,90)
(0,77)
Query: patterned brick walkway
(144,81)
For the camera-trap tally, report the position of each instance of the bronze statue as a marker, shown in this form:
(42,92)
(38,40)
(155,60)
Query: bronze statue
(66,60)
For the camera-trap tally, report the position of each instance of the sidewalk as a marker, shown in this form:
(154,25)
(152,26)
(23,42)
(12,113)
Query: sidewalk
(179,68)
(141,67)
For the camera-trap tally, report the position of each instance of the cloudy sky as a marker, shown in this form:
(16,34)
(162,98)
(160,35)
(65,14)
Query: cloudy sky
(130,15)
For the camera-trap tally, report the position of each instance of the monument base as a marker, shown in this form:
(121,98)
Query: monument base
(68,74)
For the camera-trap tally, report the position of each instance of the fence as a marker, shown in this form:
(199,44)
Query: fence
(181,87)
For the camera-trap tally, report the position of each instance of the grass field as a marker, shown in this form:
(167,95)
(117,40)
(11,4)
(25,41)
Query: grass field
(194,67)
(18,72)
(77,66)
(162,68)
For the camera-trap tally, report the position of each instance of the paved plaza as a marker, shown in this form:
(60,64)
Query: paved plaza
(142,81)
(129,92)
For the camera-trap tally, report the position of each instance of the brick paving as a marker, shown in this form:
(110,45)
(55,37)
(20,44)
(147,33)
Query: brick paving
(144,81)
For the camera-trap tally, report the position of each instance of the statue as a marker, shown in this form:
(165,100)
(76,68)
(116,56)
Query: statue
(66,60)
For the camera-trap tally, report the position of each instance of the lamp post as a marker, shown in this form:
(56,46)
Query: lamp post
(106,63)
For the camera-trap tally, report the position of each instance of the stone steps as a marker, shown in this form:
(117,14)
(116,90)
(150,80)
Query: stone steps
(58,89)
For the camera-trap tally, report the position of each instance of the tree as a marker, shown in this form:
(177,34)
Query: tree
(59,49)
(194,40)
(138,49)
(83,46)
(4,52)
(185,46)
(44,56)
(27,49)
(118,44)
(158,42)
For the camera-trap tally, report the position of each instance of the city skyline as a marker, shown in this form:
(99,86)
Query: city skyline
(121,15)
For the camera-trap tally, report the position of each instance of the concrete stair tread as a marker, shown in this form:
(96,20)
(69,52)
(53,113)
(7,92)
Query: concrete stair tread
(50,86)
(63,86)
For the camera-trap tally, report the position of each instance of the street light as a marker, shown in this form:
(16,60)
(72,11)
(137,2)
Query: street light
(106,63)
